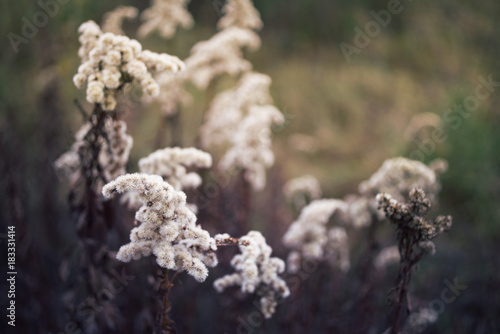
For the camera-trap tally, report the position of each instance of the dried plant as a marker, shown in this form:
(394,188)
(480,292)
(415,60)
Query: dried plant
(167,230)
(256,272)
(222,54)
(414,235)
(302,190)
(164,16)
(110,61)
(240,13)
(237,128)
(239,121)
(171,163)
(309,237)
(113,20)
(167,227)
(101,151)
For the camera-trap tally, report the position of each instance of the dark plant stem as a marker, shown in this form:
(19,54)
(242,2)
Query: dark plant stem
(94,219)
(167,324)
(406,242)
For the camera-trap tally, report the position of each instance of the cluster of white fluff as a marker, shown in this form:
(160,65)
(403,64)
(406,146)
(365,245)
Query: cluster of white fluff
(113,152)
(241,14)
(165,16)
(308,236)
(231,106)
(398,176)
(387,256)
(359,212)
(173,94)
(167,227)
(109,61)
(337,248)
(301,190)
(171,163)
(256,271)
(113,20)
(239,121)
(251,146)
(221,54)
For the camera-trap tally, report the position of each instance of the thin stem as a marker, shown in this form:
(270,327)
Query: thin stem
(406,246)
(167,322)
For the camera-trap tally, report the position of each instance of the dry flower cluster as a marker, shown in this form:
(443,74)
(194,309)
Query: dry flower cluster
(302,190)
(114,150)
(240,13)
(164,16)
(256,271)
(237,126)
(239,121)
(222,54)
(167,227)
(109,61)
(172,162)
(308,236)
(112,21)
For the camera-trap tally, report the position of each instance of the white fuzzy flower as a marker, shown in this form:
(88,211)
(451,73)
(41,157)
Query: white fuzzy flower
(112,21)
(337,248)
(173,94)
(302,189)
(239,120)
(398,176)
(167,227)
(308,236)
(164,16)
(172,164)
(221,54)
(110,61)
(240,13)
(256,271)
(113,154)
(359,213)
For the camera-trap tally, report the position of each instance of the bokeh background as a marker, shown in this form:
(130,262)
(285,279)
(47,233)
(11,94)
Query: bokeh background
(343,120)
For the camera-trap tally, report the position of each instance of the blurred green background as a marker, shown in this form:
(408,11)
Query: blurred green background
(343,118)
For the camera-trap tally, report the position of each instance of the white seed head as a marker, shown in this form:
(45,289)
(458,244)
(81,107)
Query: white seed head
(239,121)
(222,54)
(240,13)
(167,227)
(164,16)
(302,189)
(308,236)
(110,61)
(256,271)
